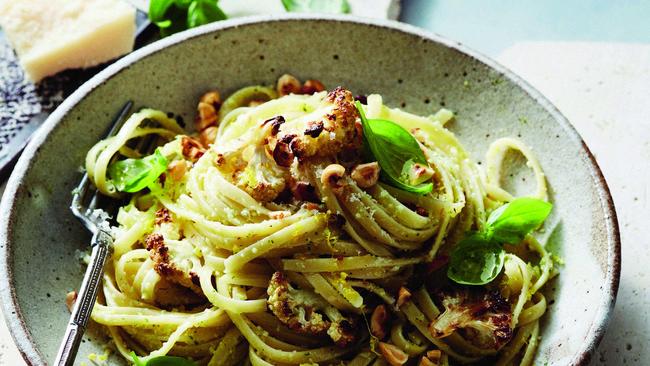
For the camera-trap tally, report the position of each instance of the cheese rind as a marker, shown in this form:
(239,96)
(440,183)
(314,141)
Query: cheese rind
(53,35)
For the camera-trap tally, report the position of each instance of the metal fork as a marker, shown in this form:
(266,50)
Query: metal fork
(86,207)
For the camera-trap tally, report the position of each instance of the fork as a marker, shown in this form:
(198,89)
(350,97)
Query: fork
(85,206)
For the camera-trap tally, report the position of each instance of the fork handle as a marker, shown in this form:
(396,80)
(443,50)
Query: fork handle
(101,243)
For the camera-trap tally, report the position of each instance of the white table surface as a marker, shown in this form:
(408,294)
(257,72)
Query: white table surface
(604,90)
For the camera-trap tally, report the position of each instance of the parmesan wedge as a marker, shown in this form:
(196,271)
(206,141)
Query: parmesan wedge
(53,35)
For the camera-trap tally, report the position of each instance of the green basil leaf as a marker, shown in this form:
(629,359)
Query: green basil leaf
(158,9)
(133,175)
(184,4)
(317,6)
(511,222)
(394,148)
(162,361)
(202,12)
(475,261)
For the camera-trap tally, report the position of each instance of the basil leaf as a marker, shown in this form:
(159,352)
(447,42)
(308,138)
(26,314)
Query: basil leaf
(475,261)
(511,222)
(394,148)
(173,16)
(133,175)
(317,6)
(158,9)
(202,12)
(162,361)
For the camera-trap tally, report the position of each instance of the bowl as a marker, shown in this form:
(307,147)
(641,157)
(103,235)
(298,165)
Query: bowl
(40,240)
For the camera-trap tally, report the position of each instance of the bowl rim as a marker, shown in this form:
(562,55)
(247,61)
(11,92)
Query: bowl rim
(13,316)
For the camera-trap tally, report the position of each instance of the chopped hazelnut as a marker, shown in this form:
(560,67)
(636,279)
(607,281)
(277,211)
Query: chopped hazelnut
(288,84)
(403,296)
(208,136)
(177,169)
(432,358)
(333,177)
(392,354)
(312,86)
(192,148)
(207,109)
(70,299)
(366,175)
(378,322)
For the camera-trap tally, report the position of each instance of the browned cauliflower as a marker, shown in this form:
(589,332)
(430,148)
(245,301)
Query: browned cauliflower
(261,161)
(307,312)
(327,131)
(484,317)
(173,262)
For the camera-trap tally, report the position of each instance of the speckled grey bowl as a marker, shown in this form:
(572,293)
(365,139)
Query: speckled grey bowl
(418,71)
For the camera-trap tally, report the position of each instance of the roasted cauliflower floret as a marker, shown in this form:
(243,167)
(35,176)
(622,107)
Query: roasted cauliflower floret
(253,164)
(326,131)
(307,312)
(262,178)
(485,318)
(174,261)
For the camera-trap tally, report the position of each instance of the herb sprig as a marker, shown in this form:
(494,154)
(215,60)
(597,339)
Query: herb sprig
(173,16)
(479,257)
(317,6)
(133,175)
(396,151)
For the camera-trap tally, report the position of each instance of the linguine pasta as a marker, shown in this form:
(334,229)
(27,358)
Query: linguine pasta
(252,248)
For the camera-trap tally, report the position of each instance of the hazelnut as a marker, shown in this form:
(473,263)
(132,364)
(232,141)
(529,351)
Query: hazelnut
(366,175)
(207,109)
(177,169)
(432,358)
(70,299)
(288,84)
(333,177)
(403,296)
(191,148)
(312,86)
(378,322)
(208,136)
(393,355)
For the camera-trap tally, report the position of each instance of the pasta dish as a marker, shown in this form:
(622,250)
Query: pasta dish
(300,226)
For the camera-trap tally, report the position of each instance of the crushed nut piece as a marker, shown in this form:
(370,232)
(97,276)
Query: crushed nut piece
(177,169)
(312,86)
(403,296)
(378,322)
(208,136)
(70,299)
(333,177)
(366,175)
(288,84)
(392,354)
(192,149)
(207,109)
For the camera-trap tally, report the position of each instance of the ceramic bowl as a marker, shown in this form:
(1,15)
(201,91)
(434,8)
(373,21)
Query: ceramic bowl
(419,72)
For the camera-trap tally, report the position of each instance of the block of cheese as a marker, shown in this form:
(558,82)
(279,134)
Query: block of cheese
(53,35)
